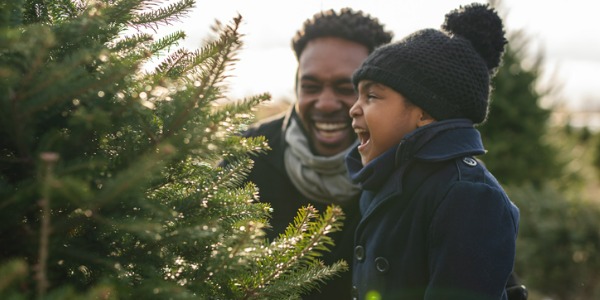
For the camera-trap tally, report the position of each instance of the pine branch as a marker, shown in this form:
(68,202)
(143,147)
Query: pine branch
(24,51)
(211,74)
(300,242)
(61,9)
(234,173)
(134,175)
(230,43)
(304,280)
(171,66)
(35,11)
(161,16)
(48,159)
(129,43)
(10,272)
(92,26)
(122,12)
(10,15)
(167,41)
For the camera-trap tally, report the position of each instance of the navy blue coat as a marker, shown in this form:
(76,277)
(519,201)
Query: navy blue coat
(435,223)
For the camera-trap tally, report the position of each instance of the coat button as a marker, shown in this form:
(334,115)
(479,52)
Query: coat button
(354,293)
(359,253)
(382,264)
(469,161)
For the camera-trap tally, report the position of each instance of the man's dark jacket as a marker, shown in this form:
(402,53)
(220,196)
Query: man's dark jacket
(275,188)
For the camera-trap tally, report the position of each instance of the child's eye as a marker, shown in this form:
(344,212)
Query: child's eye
(371,97)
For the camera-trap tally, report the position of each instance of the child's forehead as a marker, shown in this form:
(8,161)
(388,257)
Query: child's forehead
(370,84)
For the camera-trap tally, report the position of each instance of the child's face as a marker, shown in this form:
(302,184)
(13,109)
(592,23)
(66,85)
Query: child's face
(381,118)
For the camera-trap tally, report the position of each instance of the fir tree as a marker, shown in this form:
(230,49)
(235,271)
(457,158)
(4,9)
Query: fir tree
(109,185)
(516,133)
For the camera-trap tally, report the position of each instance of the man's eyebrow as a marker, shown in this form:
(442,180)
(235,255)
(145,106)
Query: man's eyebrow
(309,77)
(341,81)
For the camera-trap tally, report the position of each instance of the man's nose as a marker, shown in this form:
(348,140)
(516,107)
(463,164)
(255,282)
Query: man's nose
(328,101)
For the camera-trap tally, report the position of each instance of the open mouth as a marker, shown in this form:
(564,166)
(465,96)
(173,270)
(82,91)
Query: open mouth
(330,130)
(363,136)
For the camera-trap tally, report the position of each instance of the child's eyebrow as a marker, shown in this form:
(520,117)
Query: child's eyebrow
(365,84)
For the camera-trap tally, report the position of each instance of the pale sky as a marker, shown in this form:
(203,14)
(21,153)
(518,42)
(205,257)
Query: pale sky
(566,32)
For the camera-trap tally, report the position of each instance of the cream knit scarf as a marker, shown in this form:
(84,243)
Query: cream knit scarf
(320,178)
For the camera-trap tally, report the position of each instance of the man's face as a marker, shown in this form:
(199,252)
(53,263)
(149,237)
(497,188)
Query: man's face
(325,92)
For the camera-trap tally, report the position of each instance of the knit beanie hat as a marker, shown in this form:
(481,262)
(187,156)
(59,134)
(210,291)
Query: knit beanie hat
(445,72)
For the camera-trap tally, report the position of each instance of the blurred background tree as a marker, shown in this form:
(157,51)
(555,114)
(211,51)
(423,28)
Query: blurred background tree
(547,168)
(109,185)
(516,131)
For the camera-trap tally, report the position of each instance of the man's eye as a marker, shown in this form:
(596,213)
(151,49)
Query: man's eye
(310,88)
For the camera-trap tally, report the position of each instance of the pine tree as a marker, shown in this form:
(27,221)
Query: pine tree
(109,179)
(516,132)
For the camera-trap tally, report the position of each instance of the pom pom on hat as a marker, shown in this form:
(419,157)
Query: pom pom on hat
(446,72)
(482,27)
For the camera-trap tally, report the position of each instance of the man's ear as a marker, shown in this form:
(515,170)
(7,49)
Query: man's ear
(425,119)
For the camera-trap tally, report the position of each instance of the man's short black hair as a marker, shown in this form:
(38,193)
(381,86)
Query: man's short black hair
(346,24)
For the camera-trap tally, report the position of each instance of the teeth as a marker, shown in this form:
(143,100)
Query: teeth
(328,134)
(331,126)
(359,130)
(363,135)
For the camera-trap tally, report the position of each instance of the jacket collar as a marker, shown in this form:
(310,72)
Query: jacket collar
(438,141)
(374,173)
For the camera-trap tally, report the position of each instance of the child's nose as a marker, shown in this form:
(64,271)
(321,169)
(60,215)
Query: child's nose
(355,110)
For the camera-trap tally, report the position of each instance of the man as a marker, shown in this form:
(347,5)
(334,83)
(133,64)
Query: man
(306,163)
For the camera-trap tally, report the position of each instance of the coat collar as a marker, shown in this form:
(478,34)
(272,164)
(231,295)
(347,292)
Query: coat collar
(438,141)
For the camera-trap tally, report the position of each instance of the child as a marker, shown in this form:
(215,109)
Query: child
(435,223)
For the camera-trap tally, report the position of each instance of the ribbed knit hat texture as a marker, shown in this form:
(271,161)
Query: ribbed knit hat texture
(445,72)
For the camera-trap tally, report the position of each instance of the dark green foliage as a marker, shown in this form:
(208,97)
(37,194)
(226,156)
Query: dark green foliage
(517,127)
(109,185)
(595,143)
(558,244)
(545,168)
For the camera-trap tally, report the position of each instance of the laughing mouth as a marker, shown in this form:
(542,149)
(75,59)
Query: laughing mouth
(331,131)
(322,126)
(363,136)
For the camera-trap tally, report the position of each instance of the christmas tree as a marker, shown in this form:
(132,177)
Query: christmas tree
(110,185)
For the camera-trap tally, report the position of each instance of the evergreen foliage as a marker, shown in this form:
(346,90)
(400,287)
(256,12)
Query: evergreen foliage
(109,183)
(595,144)
(558,244)
(517,128)
(544,168)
